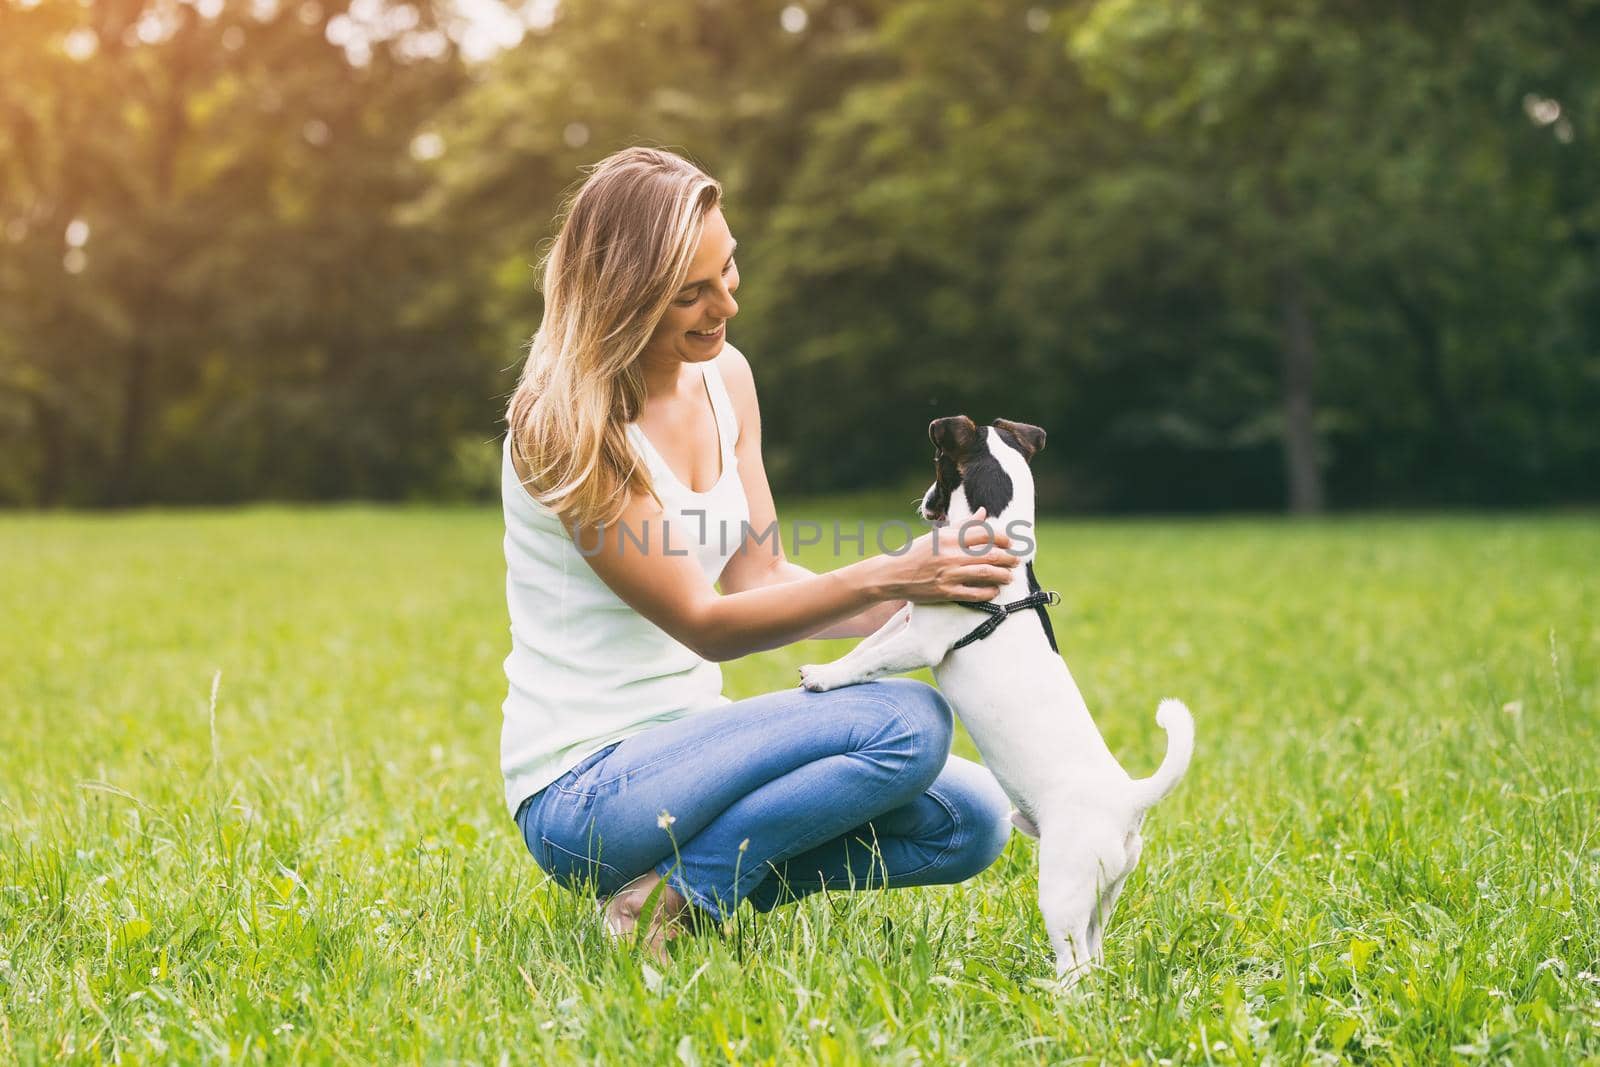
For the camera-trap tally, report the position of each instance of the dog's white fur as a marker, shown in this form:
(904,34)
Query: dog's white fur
(1024,712)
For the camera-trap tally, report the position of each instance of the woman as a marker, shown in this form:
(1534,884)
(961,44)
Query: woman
(633,484)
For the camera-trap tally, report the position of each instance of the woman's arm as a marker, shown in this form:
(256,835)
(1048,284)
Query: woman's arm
(861,624)
(764,564)
(667,587)
(766,604)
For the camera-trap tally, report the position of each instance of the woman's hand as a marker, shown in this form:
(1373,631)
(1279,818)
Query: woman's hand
(968,562)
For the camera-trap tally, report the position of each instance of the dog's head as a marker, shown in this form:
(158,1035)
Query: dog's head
(980,466)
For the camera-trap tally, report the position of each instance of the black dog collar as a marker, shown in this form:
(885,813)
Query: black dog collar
(1036,599)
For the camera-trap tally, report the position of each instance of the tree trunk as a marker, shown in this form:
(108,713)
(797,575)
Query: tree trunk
(1299,401)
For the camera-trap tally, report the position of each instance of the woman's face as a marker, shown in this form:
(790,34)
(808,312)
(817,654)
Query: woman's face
(694,326)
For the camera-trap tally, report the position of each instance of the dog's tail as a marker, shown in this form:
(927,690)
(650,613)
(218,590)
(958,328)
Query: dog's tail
(1173,717)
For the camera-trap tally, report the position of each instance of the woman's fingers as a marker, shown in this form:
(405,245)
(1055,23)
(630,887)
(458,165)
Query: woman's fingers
(983,580)
(986,575)
(974,539)
(976,531)
(995,557)
(968,563)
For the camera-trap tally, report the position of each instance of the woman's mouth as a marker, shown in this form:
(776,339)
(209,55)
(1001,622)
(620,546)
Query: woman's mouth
(709,337)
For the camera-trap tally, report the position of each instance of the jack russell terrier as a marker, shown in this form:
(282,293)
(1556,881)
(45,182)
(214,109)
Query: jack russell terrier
(1018,700)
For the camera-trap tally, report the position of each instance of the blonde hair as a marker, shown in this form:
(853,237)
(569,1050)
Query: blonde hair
(625,247)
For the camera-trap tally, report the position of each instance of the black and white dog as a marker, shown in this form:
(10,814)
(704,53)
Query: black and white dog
(1018,700)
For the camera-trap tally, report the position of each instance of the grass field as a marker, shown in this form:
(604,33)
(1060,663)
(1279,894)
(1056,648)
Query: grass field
(1386,850)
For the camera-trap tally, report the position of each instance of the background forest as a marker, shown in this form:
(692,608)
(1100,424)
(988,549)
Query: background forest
(1258,254)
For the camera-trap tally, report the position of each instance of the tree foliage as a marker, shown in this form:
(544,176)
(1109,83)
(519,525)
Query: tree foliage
(206,292)
(1266,253)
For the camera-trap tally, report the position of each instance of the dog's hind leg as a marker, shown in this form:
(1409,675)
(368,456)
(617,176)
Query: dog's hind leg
(1069,891)
(1108,900)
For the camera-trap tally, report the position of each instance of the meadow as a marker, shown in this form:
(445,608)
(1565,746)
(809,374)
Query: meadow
(250,811)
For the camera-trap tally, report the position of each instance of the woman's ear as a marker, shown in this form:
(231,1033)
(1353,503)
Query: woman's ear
(953,435)
(1031,438)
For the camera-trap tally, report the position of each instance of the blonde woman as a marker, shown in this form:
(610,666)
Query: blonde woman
(633,489)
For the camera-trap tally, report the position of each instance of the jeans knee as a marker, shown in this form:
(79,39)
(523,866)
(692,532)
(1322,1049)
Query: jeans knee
(981,814)
(928,720)
(991,831)
(985,829)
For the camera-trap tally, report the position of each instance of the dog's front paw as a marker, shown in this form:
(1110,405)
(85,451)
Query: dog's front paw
(820,677)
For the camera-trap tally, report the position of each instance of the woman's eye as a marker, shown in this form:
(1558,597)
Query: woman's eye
(690,301)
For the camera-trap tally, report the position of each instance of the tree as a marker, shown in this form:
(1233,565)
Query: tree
(1355,150)
(203,270)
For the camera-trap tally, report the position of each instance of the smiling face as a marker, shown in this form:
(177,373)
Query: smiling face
(979,466)
(694,327)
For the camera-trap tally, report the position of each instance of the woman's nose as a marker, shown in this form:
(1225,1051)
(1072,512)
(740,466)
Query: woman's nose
(727,307)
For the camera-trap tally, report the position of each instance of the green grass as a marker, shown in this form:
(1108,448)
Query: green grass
(1386,849)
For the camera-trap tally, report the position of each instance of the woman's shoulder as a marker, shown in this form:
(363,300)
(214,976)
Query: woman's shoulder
(512,464)
(740,382)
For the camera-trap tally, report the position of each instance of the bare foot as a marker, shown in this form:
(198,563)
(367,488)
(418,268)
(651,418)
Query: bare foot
(623,910)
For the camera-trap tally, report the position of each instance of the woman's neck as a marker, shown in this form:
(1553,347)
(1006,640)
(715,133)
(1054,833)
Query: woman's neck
(665,380)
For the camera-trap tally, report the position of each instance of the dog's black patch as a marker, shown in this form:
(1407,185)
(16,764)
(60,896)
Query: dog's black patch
(1026,438)
(964,457)
(946,476)
(987,484)
(1011,439)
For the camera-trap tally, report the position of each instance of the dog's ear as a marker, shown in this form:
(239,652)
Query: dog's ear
(953,435)
(1031,438)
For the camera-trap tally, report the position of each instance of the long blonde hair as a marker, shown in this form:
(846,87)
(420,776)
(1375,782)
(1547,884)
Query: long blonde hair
(624,250)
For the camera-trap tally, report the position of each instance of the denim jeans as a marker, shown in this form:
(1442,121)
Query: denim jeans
(775,797)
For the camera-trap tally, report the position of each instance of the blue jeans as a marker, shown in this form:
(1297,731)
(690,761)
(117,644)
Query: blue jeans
(775,797)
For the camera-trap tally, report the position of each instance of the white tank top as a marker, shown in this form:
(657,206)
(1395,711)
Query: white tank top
(585,669)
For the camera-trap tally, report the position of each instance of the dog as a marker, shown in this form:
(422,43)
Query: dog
(1018,700)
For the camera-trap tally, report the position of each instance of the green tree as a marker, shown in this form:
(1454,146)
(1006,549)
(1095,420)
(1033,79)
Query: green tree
(1371,207)
(1272,251)
(206,291)
(732,85)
